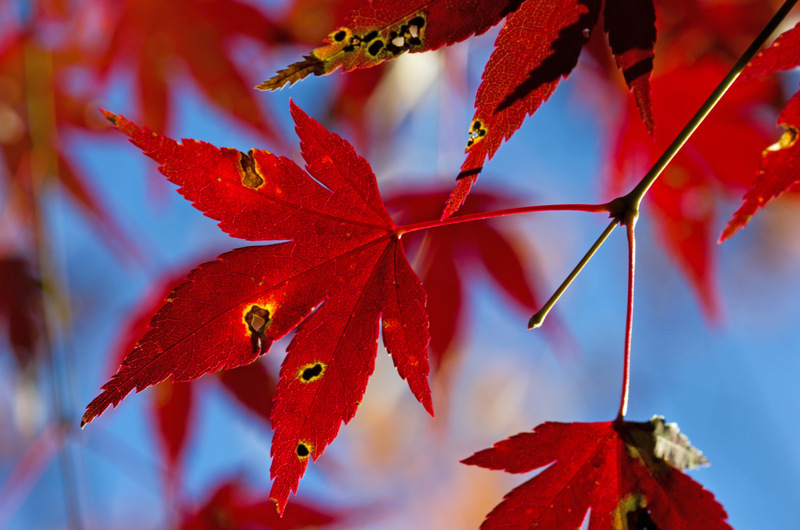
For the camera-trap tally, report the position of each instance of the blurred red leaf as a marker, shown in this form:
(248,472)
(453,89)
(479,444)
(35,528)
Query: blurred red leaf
(21,309)
(684,198)
(34,111)
(343,262)
(234,506)
(453,257)
(172,407)
(253,387)
(628,474)
(157,37)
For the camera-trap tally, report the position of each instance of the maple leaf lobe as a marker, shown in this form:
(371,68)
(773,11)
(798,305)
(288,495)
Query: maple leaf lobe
(777,172)
(537,47)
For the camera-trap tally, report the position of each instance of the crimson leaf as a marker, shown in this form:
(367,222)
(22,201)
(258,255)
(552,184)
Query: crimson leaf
(341,270)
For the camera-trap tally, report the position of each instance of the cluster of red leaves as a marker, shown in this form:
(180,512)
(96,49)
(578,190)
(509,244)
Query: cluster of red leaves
(343,268)
(342,271)
(538,45)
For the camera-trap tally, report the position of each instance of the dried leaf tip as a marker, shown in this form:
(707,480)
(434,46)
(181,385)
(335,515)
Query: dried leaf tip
(110,116)
(294,73)
(674,447)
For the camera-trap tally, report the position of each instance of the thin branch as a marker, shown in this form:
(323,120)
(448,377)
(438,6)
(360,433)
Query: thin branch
(637,194)
(538,319)
(626,363)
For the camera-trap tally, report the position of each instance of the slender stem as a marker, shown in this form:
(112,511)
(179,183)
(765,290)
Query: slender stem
(626,363)
(637,194)
(538,319)
(500,213)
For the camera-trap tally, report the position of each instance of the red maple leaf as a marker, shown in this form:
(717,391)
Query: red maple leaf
(539,44)
(778,171)
(341,271)
(233,505)
(629,474)
(157,36)
(172,404)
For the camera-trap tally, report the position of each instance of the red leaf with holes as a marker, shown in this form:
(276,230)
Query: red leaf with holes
(340,273)
(234,505)
(538,45)
(380,30)
(158,36)
(777,171)
(173,403)
(629,474)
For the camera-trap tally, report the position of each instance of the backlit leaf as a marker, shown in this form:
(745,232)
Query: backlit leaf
(341,271)
(614,469)
(539,44)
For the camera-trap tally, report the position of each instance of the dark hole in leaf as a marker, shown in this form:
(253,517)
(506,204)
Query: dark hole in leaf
(375,47)
(311,373)
(302,450)
(639,519)
(340,36)
(417,21)
(258,320)
(369,36)
(250,176)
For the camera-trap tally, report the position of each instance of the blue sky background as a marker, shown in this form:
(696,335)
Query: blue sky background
(731,386)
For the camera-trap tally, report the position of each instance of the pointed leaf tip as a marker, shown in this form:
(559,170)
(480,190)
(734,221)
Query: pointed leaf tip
(293,73)
(110,116)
